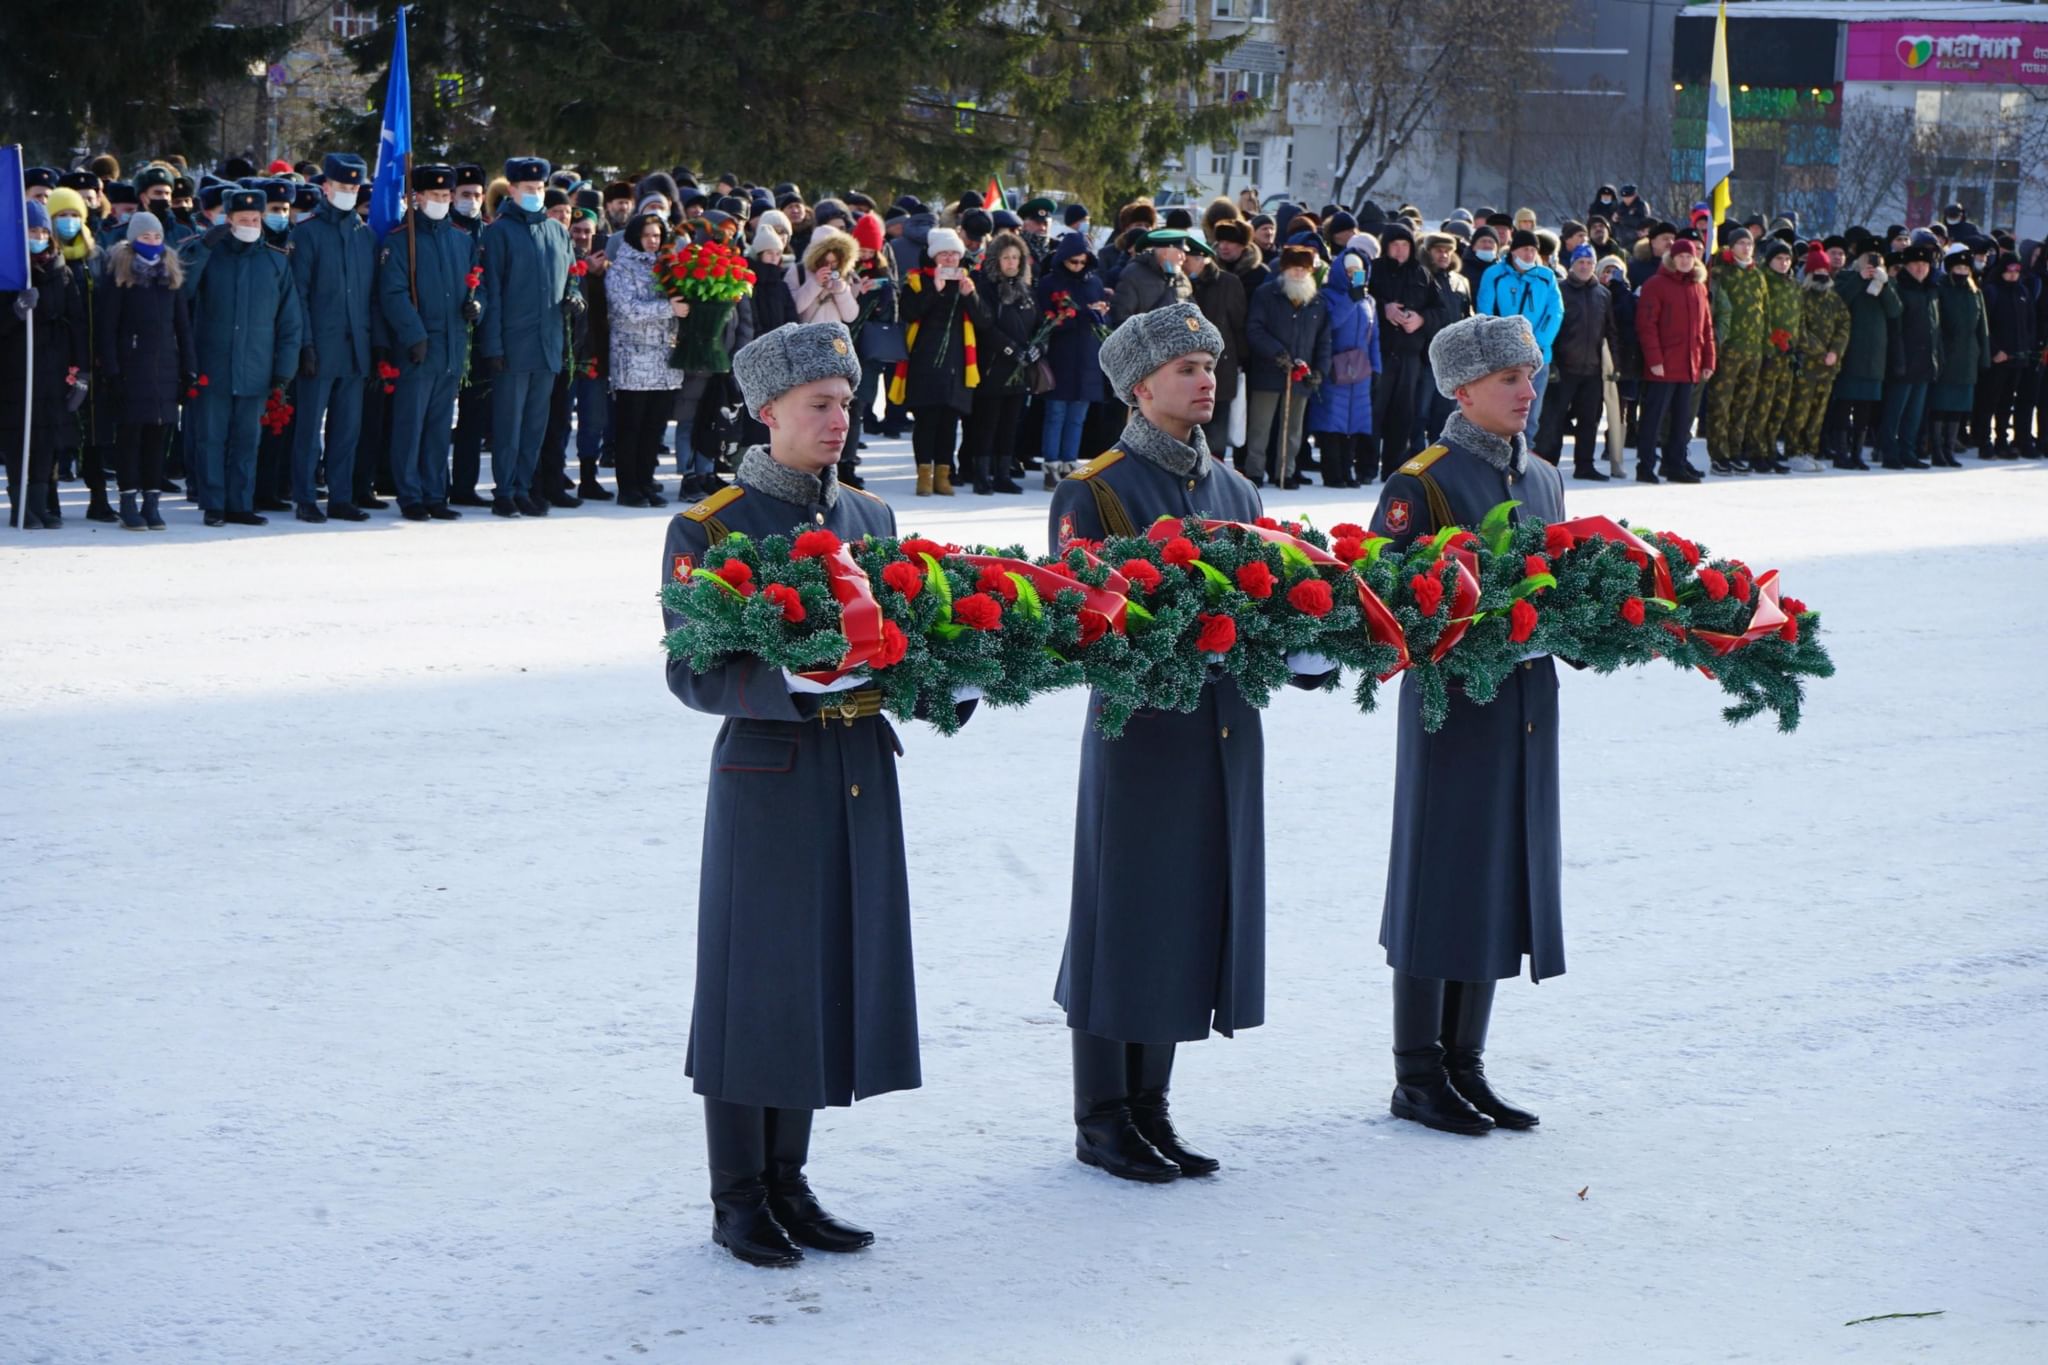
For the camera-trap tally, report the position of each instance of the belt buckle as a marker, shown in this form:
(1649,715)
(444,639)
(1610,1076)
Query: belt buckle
(847,710)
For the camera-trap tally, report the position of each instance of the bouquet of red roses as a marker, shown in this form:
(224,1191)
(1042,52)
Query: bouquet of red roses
(712,278)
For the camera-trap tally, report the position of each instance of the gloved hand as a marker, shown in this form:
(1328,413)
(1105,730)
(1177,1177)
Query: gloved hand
(25,303)
(494,364)
(1284,361)
(283,384)
(572,305)
(417,353)
(1305,663)
(471,310)
(802,686)
(309,362)
(76,398)
(1314,380)
(1875,287)
(967,692)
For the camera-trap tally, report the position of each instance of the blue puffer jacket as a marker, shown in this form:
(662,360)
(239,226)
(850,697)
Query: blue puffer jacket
(245,314)
(1506,292)
(1347,408)
(334,260)
(1073,350)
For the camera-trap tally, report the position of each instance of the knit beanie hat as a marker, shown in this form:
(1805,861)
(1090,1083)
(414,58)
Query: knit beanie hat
(868,231)
(142,222)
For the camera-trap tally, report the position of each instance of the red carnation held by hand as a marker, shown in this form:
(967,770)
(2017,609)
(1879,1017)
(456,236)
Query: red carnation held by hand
(1255,579)
(1521,622)
(1429,593)
(812,544)
(1312,597)
(1218,634)
(786,597)
(1180,550)
(1632,611)
(978,610)
(1299,372)
(904,577)
(1142,572)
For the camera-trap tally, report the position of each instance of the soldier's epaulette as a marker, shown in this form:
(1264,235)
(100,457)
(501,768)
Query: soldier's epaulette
(709,509)
(1098,464)
(1422,462)
(871,497)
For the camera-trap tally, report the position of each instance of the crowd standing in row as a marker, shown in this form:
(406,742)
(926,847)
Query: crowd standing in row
(247,335)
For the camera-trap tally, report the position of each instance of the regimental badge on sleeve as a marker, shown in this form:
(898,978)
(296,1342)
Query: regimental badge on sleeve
(1397,516)
(680,570)
(1066,530)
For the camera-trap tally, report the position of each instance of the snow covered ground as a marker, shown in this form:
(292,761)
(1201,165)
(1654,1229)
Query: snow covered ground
(345,961)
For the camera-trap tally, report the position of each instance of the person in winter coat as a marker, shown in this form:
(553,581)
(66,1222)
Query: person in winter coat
(1522,286)
(1578,369)
(1154,275)
(1071,295)
(1775,380)
(1412,310)
(1874,311)
(644,384)
(937,382)
(773,300)
(144,336)
(1675,329)
(1481,255)
(424,306)
(1965,355)
(1340,416)
(528,292)
(1823,336)
(1631,218)
(1917,362)
(1288,327)
(1237,253)
(334,262)
(1009,309)
(822,284)
(1740,298)
(247,328)
(1220,294)
(53,306)
(1442,252)
(589,395)
(2012,346)
(875,288)
(1622,392)
(92,430)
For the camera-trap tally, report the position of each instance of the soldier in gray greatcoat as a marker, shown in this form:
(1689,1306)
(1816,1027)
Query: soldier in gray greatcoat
(804,993)
(1166,934)
(1473,877)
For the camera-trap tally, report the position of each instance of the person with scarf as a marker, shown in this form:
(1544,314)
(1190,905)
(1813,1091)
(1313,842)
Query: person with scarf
(144,336)
(938,380)
(52,307)
(643,334)
(1166,930)
(1287,326)
(1008,298)
(1340,415)
(1072,298)
(1474,872)
(1965,355)
(1524,286)
(874,284)
(94,428)
(805,995)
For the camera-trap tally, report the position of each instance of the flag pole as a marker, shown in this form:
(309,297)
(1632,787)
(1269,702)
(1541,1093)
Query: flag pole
(28,375)
(412,251)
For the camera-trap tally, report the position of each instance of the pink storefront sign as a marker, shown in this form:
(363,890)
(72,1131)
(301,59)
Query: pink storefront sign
(1929,54)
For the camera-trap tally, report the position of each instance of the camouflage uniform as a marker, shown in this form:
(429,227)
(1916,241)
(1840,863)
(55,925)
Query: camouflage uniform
(1780,366)
(1823,327)
(1738,294)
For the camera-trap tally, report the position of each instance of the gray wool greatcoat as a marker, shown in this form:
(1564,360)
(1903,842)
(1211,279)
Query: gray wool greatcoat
(1166,932)
(1474,874)
(805,996)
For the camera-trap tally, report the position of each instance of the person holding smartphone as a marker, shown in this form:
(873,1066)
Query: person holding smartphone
(937,382)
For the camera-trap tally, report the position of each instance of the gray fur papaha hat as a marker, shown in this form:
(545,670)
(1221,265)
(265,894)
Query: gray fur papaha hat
(1479,345)
(794,353)
(1148,340)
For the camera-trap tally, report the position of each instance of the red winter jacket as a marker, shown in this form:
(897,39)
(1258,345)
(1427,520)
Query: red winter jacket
(1676,325)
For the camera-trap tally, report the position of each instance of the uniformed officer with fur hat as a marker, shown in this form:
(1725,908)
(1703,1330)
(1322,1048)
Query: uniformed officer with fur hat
(1473,876)
(334,257)
(804,995)
(422,290)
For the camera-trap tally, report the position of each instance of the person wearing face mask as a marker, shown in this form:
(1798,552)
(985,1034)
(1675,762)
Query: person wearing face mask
(1740,299)
(1340,415)
(1411,311)
(248,329)
(334,261)
(1605,204)
(528,293)
(91,431)
(1571,404)
(278,198)
(1154,275)
(1965,354)
(154,184)
(937,380)
(1916,362)
(1780,362)
(52,307)
(2015,341)
(1823,337)
(143,333)
(1522,286)
(1480,258)
(1874,310)
(1441,252)
(422,291)
(473,400)
(274,450)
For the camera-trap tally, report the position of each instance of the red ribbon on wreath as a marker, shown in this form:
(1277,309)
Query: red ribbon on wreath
(1166,528)
(1606,528)
(1464,600)
(1381,625)
(860,616)
(1765,620)
(1106,602)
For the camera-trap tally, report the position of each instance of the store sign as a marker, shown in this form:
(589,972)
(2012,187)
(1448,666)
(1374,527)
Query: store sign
(1916,53)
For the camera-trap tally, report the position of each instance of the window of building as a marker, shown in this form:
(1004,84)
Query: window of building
(346,21)
(1255,11)
(1254,156)
(1240,87)
(1219,161)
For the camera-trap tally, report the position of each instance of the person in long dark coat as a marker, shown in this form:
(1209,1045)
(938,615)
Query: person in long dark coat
(1166,934)
(52,307)
(805,996)
(420,310)
(147,356)
(1474,873)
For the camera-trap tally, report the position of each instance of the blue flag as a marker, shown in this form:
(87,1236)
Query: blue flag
(394,144)
(13,221)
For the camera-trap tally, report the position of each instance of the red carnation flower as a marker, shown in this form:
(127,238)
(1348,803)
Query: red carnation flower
(1142,572)
(1267,523)
(996,580)
(1429,593)
(1349,529)
(202,381)
(1740,585)
(978,610)
(1218,634)
(579,268)
(736,572)
(1311,597)
(1521,622)
(1461,539)
(812,544)
(786,597)
(1557,540)
(1533,565)
(1632,611)
(894,646)
(1793,606)
(1094,625)
(475,277)
(1715,582)
(1350,549)
(917,546)
(904,577)
(1789,632)
(1256,579)
(1180,550)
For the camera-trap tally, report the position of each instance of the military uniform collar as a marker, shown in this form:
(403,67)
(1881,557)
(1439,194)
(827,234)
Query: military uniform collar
(1510,455)
(760,472)
(1181,458)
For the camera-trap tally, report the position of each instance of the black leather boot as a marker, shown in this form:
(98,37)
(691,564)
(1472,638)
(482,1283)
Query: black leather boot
(1467,1007)
(1104,1135)
(736,1140)
(1150,1069)
(789,1194)
(1423,1091)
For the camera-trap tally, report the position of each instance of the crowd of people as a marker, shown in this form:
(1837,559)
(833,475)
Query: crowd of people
(242,339)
